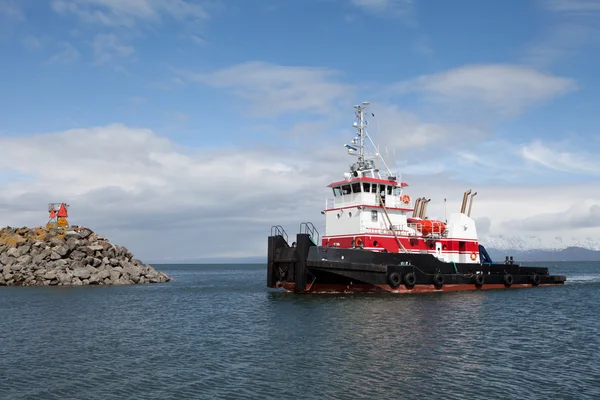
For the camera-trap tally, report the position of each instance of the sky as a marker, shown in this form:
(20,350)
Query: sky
(185,129)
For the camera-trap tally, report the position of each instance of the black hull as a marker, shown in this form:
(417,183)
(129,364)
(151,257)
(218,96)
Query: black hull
(307,267)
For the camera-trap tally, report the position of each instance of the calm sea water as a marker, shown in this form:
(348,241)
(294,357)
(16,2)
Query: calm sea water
(216,332)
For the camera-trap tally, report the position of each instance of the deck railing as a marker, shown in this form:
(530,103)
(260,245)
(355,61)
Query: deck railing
(363,198)
(413,229)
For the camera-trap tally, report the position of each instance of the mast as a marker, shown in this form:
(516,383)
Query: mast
(364,164)
(360,129)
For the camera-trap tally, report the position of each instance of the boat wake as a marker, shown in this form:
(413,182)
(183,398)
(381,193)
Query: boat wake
(583,279)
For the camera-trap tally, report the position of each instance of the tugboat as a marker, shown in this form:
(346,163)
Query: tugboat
(376,241)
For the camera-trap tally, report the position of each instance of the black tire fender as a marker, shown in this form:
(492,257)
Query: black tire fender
(508,279)
(479,279)
(394,279)
(410,279)
(438,280)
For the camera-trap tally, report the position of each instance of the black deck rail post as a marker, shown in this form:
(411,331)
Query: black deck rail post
(271,273)
(303,244)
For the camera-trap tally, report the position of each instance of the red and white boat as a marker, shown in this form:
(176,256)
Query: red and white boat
(377,239)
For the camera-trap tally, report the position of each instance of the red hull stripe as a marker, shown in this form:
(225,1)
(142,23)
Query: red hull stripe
(411,244)
(370,206)
(367,288)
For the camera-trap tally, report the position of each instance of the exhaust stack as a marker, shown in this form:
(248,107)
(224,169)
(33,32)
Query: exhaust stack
(464,202)
(471,204)
(424,208)
(416,207)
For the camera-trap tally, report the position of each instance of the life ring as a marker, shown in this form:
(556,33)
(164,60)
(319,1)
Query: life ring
(359,242)
(473,256)
(406,199)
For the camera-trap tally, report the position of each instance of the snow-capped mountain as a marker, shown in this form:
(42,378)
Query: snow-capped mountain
(527,243)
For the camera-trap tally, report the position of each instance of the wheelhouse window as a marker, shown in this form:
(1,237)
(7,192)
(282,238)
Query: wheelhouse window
(337,191)
(374,188)
(356,187)
(346,189)
(366,187)
(373,215)
(397,191)
(389,189)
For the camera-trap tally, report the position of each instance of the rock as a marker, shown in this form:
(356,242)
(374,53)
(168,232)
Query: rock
(81,273)
(72,234)
(65,278)
(73,243)
(25,259)
(5,259)
(75,256)
(50,275)
(62,250)
(96,247)
(94,279)
(84,233)
(103,274)
(24,250)
(114,275)
(13,252)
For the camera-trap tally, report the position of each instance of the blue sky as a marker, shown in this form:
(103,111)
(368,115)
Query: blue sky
(153,111)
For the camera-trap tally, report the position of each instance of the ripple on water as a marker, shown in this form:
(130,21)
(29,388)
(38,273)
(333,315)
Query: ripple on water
(216,332)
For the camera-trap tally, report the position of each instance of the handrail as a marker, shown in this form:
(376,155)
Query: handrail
(329,203)
(400,245)
(310,229)
(412,229)
(277,230)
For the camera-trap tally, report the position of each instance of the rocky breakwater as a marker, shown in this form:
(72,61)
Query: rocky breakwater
(68,256)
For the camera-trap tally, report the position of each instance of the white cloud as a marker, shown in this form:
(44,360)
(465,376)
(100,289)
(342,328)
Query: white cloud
(31,42)
(573,27)
(387,8)
(122,180)
(107,47)
(197,39)
(277,89)
(137,100)
(560,159)
(531,214)
(404,130)
(67,55)
(583,214)
(506,89)
(10,9)
(167,201)
(572,6)
(129,13)
(559,42)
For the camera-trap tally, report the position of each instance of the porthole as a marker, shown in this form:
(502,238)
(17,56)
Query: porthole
(350,214)
(339,215)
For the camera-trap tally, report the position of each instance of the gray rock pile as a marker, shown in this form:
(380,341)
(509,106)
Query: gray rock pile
(68,256)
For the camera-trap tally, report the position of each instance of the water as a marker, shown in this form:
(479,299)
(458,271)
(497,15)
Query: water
(216,332)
